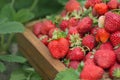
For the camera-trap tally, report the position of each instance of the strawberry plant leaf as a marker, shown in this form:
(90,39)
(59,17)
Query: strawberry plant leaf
(35,76)
(13,58)
(23,15)
(68,74)
(2,67)
(18,74)
(7,12)
(11,27)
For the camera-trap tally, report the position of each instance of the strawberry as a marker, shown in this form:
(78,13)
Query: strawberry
(63,13)
(75,54)
(112,22)
(114,71)
(75,40)
(117,51)
(72,22)
(115,38)
(89,41)
(72,5)
(94,30)
(47,25)
(106,45)
(91,72)
(84,25)
(101,8)
(91,3)
(112,4)
(37,28)
(74,64)
(89,58)
(102,35)
(72,30)
(105,58)
(101,21)
(51,32)
(64,25)
(58,48)
(43,38)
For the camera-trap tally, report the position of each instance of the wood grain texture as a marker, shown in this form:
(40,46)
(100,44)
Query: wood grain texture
(38,54)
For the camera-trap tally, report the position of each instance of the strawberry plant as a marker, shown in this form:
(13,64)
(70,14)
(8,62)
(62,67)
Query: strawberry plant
(84,34)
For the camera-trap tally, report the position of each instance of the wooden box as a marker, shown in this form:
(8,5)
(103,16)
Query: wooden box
(38,54)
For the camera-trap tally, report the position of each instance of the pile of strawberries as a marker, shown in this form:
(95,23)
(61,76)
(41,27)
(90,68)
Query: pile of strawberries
(89,35)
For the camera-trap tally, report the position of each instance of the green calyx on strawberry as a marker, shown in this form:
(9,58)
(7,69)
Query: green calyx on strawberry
(57,34)
(114,71)
(75,40)
(58,44)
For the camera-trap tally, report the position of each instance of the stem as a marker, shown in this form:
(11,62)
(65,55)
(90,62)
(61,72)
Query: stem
(12,3)
(33,5)
(9,41)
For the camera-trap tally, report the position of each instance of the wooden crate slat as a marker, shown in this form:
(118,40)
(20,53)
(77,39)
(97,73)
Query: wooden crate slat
(38,55)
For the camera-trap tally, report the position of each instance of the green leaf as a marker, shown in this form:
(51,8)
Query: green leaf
(23,15)
(12,58)
(2,67)
(68,74)
(35,76)
(18,75)
(11,27)
(7,12)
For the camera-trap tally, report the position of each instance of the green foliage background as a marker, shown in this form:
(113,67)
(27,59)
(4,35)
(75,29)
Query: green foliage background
(43,7)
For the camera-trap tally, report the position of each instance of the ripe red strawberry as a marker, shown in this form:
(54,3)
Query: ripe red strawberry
(72,5)
(94,30)
(37,28)
(74,64)
(85,25)
(112,22)
(89,41)
(106,45)
(102,35)
(43,38)
(75,54)
(91,72)
(47,25)
(101,8)
(64,24)
(91,3)
(72,30)
(89,58)
(63,13)
(105,58)
(112,4)
(59,48)
(114,71)
(117,51)
(72,22)
(115,38)
(51,32)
